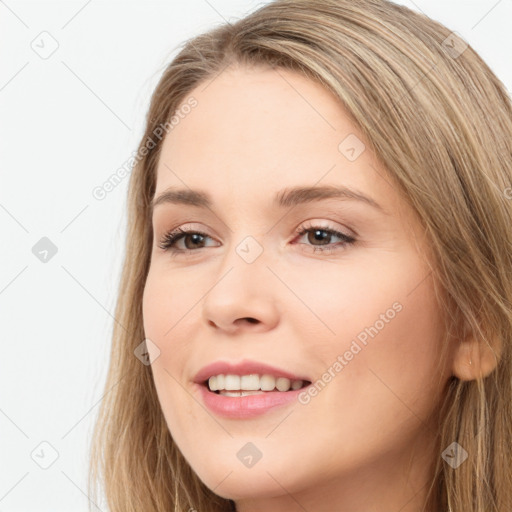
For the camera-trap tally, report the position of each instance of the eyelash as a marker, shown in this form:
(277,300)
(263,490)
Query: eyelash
(170,238)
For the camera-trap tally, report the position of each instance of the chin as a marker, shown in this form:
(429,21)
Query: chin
(241,485)
(231,479)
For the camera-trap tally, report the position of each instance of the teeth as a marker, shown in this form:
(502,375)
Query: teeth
(283,384)
(296,384)
(232,382)
(240,393)
(267,382)
(252,382)
(249,382)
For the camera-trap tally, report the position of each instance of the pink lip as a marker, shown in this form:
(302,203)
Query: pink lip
(244,406)
(246,367)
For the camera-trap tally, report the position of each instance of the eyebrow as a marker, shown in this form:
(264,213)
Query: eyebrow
(284,198)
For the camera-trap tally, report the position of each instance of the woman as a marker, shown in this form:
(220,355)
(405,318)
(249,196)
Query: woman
(316,302)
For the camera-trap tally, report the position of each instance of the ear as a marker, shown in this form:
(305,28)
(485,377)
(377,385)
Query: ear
(474,358)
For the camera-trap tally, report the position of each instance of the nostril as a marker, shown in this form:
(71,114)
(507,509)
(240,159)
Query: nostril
(251,320)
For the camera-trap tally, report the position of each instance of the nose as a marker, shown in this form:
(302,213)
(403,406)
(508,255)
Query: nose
(242,296)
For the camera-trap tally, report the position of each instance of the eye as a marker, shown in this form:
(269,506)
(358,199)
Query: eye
(170,239)
(319,237)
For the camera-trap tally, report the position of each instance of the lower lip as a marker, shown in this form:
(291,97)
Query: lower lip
(246,406)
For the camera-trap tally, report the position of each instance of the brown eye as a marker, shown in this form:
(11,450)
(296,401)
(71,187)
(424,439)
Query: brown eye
(320,238)
(193,240)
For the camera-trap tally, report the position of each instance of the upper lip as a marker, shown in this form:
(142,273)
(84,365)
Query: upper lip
(244,367)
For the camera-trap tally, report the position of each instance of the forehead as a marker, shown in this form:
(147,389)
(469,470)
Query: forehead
(259,130)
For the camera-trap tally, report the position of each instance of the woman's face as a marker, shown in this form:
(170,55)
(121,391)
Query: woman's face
(358,320)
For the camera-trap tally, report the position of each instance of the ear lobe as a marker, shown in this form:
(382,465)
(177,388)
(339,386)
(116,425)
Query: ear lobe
(474,359)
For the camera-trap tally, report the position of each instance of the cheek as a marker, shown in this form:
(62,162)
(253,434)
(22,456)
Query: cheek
(379,356)
(384,360)
(373,404)
(168,315)
(167,301)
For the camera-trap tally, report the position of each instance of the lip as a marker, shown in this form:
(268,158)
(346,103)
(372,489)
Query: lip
(245,406)
(245,367)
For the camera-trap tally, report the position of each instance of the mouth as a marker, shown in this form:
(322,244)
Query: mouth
(245,389)
(251,384)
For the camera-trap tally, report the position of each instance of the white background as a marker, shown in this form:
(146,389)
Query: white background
(67,123)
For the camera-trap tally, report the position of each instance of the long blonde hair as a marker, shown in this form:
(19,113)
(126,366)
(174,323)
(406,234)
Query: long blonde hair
(441,123)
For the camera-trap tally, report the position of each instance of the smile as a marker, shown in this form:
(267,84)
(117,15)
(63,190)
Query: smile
(245,385)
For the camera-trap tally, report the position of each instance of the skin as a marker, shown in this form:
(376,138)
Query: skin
(364,443)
